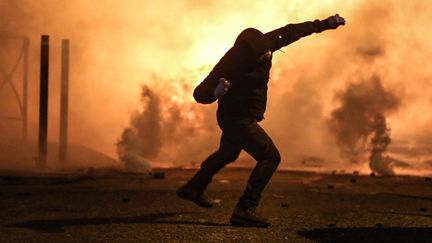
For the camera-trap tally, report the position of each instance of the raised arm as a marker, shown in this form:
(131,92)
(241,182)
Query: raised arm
(292,32)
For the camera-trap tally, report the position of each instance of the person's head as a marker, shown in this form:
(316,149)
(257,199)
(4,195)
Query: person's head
(254,43)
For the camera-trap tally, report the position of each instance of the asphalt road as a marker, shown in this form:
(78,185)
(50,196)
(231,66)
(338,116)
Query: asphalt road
(111,206)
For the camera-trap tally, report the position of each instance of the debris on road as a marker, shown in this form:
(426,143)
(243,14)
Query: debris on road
(158,174)
(217,201)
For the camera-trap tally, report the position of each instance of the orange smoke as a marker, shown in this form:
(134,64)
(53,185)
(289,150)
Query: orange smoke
(169,46)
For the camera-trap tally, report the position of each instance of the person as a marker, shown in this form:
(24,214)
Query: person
(239,83)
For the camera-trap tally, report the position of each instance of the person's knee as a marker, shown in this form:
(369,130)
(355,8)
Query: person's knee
(271,155)
(275,157)
(225,157)
(231,157)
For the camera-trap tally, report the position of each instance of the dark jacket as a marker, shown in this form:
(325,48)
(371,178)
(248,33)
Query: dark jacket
(247,94)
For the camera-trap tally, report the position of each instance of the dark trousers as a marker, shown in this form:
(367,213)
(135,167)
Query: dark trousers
(247,135)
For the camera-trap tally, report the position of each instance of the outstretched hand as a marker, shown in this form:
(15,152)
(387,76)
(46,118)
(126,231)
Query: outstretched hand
(335,21)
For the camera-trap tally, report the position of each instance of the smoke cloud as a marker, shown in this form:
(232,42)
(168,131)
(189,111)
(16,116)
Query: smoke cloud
(143,138)
(165,129)
(362,113)
(380,140)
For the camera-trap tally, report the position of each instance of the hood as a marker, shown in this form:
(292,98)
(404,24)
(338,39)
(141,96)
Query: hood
(255,41)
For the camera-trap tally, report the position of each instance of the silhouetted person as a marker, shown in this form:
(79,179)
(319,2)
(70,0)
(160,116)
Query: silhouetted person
(239,83)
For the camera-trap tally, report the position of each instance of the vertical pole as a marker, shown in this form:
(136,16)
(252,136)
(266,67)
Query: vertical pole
(25,88)
(64,100)
(43,102)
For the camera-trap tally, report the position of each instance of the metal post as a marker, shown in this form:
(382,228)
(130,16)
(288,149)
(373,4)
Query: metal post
(25,88)
(64,102)
(43,102)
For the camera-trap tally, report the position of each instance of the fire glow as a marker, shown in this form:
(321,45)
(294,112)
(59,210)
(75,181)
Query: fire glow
(118,47)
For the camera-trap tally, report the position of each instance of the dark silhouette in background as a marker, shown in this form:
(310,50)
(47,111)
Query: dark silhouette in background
(239,83)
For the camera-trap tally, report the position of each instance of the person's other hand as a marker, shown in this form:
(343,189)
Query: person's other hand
(335,21)
(222,88)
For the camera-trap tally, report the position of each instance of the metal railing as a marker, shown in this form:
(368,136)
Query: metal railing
(6,79)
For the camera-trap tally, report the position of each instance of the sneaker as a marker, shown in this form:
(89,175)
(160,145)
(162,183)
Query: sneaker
(248,218)
(199,199)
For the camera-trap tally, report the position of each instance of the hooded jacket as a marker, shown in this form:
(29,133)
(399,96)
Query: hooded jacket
(247,94)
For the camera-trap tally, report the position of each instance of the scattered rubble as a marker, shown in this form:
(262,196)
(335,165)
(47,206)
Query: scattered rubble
(217,201)
(158,174)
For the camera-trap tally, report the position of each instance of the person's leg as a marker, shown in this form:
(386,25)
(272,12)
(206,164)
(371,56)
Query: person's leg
(228,151)
(260,146)
(194,189)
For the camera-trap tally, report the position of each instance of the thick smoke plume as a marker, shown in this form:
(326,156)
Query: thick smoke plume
(166,129)
(380,140)
(142,139)
(361,115)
